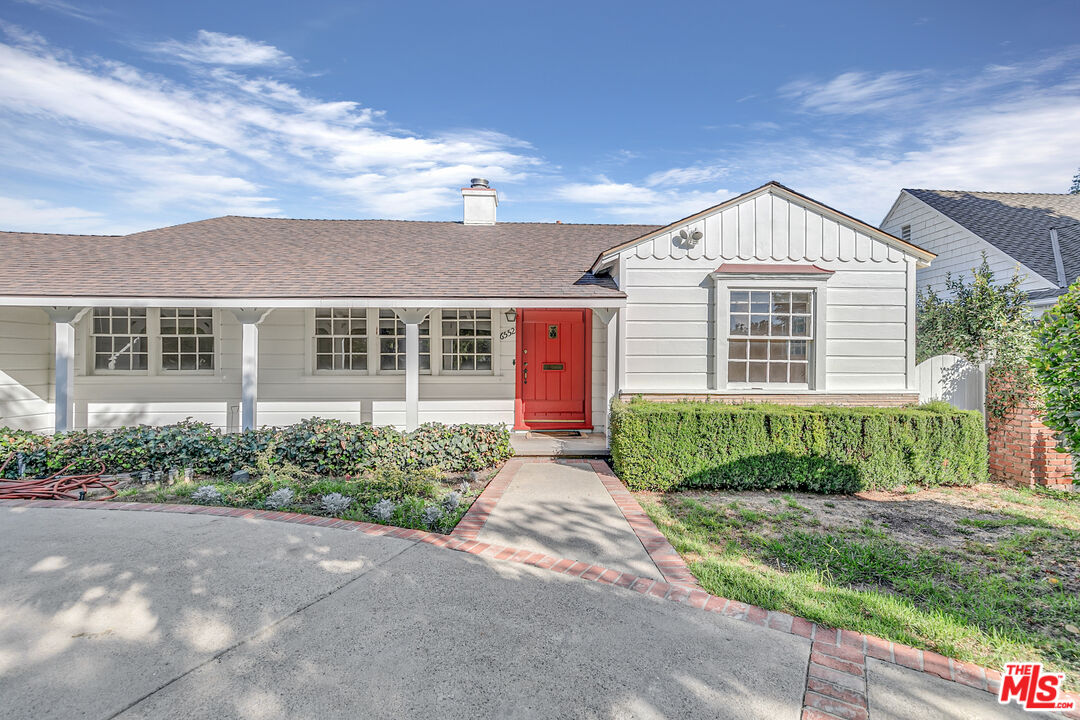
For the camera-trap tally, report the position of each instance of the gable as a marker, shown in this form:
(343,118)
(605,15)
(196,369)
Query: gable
(772,223)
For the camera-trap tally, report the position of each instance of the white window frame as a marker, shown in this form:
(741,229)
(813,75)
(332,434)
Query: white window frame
(815,284)
(311,355)
(158,346)
(493,338)
(433,357)
(153,341)
(91,344)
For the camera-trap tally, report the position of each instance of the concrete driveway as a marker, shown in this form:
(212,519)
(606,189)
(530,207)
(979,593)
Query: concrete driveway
(128,614)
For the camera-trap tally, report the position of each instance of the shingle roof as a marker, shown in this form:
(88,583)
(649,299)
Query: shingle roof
(245,257)
(1018,224)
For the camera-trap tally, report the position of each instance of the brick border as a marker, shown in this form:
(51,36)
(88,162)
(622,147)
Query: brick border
(667,560)
(474,519)
(836,674)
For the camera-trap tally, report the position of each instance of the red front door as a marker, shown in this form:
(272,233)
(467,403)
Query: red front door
(553,369)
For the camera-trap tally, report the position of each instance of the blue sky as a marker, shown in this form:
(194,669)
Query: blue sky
(116,117)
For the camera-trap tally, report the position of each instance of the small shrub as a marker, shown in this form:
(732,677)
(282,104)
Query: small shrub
(451,501)
(279,499)
(383,511)
(432,515)
(335,503)
(206,495)
(664,446)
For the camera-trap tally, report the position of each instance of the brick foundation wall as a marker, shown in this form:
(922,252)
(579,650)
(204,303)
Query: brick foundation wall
(1022,451)
(845,399)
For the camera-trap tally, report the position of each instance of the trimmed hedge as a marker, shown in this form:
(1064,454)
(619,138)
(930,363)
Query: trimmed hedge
(324,447)
(665,446)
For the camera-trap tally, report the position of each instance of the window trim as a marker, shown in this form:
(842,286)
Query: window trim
(153,342)
(309,345)
(815,283)
(494,337)
(156,346)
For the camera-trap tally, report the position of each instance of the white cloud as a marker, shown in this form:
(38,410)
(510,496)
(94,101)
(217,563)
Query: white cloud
(627,202)
(66,8)
(33,215)
(214,48)
(678,177)
(223,142)
(854,92)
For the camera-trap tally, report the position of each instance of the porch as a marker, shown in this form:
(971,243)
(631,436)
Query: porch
(240,368)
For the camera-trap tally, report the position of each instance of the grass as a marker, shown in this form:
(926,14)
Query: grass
(1007,590)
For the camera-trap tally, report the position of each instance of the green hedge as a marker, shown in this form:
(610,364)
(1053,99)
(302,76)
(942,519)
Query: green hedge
(325,447)
(664,446)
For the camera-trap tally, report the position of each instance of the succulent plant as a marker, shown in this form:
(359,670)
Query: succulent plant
(335,503)
(280,499)
(206,495)
(463,488)
(383,510)
(451,501)
(432,514)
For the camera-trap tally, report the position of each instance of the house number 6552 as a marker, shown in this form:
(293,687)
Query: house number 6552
(507,333)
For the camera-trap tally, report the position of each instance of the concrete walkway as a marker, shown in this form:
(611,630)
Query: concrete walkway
(562,509)
(129,611)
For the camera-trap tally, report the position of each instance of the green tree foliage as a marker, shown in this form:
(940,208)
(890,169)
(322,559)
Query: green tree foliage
(982,322)
(1056,362)
(1074,189)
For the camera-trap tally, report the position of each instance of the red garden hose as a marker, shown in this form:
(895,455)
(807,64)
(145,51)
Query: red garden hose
(57,486)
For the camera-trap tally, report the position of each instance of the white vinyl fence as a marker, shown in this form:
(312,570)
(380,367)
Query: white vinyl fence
(954,380)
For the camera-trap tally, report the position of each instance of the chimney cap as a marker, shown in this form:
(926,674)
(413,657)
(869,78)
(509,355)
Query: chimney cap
(479,183)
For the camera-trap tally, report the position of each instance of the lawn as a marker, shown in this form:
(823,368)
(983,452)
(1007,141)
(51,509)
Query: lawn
(422,499)
(986,573)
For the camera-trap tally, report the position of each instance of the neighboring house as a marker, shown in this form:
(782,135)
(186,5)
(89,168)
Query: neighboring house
(244,322)
(1037,234)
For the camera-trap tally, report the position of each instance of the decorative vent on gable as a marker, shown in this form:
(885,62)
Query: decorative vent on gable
(905,233)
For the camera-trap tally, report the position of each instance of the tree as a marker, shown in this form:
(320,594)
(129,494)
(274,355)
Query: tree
(982,322)
(1056,363)
(1074,189)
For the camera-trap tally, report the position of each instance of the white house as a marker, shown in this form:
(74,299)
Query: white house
(257,321)
(1035,234)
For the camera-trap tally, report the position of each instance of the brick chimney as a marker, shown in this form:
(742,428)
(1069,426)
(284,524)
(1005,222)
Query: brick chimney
(480,202)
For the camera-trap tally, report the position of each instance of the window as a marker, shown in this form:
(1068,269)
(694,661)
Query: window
(341,339)
(769,336)
(392,342)
(905,233)
(120,339)
(466,340)
(187,339)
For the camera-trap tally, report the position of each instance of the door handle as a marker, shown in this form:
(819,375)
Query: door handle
(525,373)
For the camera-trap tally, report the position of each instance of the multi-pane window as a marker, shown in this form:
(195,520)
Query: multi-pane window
(187,338)
(769,336)
(392,342)
(341,339)
(119,337)
(466,340)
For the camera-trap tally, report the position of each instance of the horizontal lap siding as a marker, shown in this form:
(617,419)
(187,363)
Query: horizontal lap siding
(26,350)
(959,250)
(670,323)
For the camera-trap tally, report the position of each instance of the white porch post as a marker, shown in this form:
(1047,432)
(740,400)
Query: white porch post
(249,318)
(412,317)
(64,319)
(610,317)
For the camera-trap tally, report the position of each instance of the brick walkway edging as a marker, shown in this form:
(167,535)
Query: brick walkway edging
(836,679)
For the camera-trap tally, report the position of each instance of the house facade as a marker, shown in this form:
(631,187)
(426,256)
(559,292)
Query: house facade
(1034,234)
(243,322)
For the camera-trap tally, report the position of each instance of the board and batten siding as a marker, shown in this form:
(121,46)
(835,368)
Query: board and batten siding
(288,389)
(26,367)
(959,251)
(670,324)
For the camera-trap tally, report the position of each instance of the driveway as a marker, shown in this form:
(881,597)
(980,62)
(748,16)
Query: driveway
(128,614)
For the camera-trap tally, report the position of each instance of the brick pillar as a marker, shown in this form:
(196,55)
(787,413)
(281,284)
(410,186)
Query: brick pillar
(1023,451)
